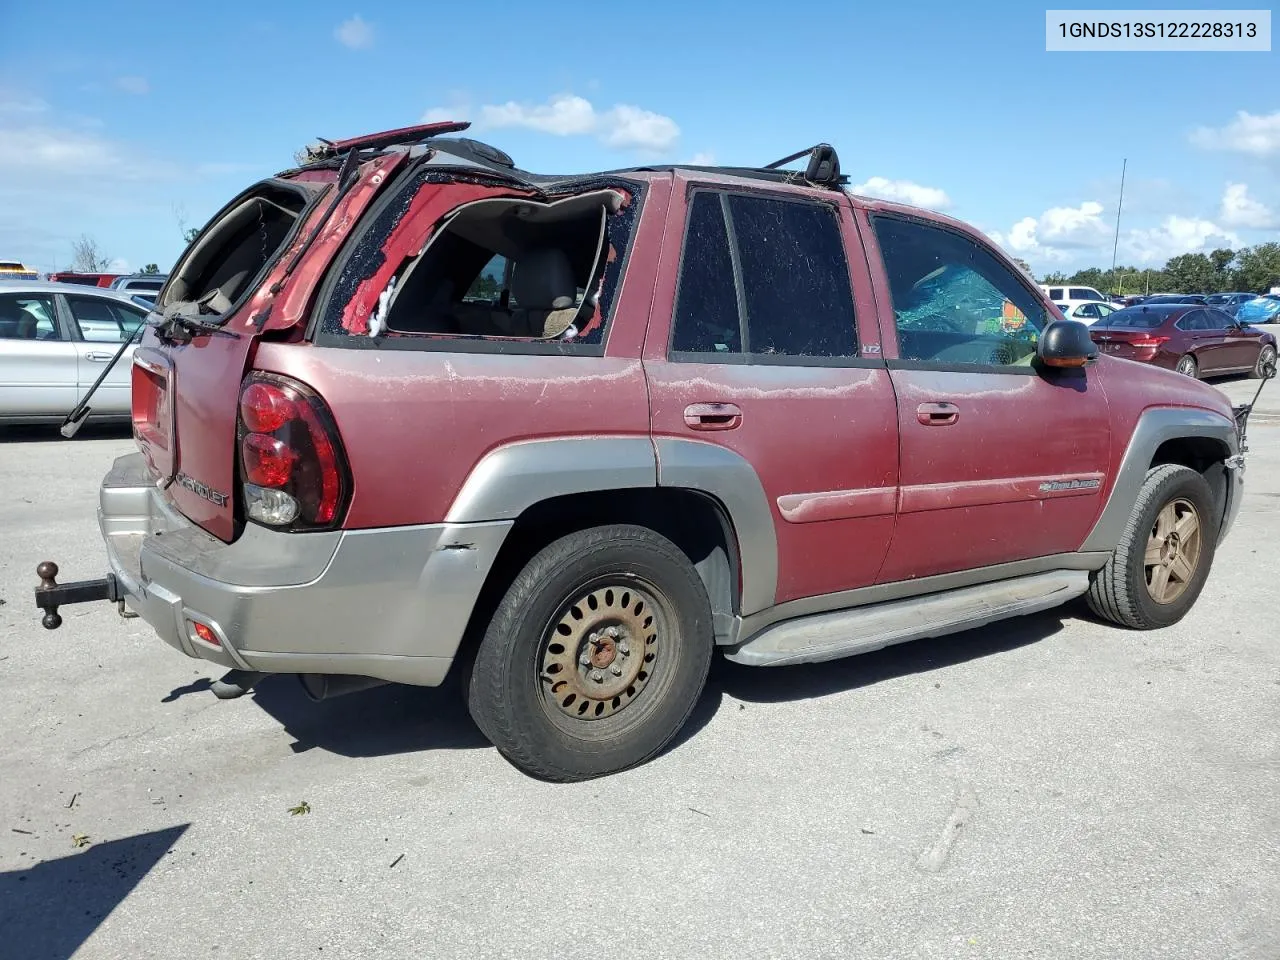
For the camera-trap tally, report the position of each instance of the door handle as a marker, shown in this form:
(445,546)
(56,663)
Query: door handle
(937,414)
(712,416)
(98,356)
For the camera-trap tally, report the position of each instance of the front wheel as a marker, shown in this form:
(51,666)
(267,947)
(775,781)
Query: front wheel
(596,655)
(1160,565)
(1188,367)
(1266,357)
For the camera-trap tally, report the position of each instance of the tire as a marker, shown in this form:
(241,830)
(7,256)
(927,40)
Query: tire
(1123,591)
(1188,367)
(1266,355)
(558,719)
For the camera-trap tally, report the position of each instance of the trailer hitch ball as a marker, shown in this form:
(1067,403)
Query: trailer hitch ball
(48,574)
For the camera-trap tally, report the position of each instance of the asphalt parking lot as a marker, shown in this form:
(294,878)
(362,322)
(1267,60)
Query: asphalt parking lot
(1048,787)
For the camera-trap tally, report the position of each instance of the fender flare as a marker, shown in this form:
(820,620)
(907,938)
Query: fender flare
(1155,426)
(510,479)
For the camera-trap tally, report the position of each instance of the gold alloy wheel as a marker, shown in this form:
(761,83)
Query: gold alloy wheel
(601,652)
(1173,551)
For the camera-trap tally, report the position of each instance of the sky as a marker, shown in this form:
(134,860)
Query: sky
(127,128)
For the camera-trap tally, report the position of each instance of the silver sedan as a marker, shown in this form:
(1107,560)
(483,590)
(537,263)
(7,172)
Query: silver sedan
(55,340)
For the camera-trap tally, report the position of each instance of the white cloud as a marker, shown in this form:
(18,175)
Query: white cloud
(563,116)
(135,85)
(1057,233)
(119,265)
(626,126)
(355,33)
(1174,236)
(1258,135)
(623,126)
(703,158)
(1241,210)
(52,153)
(13,102)
(903,191)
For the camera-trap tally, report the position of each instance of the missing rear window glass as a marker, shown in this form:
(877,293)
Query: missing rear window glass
(505,268)
(220,267)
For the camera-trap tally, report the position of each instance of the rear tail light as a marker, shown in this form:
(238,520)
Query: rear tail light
(291,458)
(1148,341)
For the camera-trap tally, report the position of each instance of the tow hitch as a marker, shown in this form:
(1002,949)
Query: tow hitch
(51,594)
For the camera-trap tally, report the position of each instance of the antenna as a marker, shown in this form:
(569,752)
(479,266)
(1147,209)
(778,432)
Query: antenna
(1119,206)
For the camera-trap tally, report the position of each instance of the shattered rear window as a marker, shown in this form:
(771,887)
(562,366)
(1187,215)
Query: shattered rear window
(470,277)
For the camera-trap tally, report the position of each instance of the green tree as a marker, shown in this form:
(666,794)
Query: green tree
(151,268)
(1258,268)
(1221,260)
(1091,277)
(1056,277)
(1023,264)
(1189,273)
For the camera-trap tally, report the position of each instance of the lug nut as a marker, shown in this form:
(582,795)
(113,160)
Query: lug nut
(616,670)
(597,676)
(585,660)
(611,632)
(624,649)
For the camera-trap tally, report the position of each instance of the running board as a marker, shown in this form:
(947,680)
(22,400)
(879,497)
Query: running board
(842,633)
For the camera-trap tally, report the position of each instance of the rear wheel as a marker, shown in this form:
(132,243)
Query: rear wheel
(1160,565)
(596,655)
(1188,367)
(1266,357)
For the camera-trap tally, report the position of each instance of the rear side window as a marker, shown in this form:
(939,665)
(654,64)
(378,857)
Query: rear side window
(502,272)
(1055,293)
(1084,293)
(763,278)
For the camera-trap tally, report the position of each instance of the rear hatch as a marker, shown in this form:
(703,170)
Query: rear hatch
(273,239)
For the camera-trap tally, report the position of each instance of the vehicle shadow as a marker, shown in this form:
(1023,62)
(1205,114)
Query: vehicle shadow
(49,434)
(397,718)
(380,721)
(49,910)
(812,680)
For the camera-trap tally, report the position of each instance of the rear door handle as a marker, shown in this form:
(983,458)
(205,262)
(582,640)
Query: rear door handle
(98,356)
(712,416)
(937,414)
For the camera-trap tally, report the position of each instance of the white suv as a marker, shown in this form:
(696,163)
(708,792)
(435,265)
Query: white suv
(1066,296)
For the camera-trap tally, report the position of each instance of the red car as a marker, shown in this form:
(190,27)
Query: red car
(1195,340)
(410,411)
(89,279)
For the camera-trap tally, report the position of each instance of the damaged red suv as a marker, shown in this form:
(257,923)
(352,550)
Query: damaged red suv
(409,411)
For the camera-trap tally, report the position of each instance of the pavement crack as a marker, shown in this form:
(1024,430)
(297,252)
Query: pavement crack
(933,859)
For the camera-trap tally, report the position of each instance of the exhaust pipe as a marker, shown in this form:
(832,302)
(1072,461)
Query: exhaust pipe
(326,686)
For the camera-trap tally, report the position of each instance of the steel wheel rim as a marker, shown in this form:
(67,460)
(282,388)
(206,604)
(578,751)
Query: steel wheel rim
(1173,551)
(601,650)
(1268,355)
(1186,366)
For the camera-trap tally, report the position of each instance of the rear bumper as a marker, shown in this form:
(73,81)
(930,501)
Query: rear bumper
(390,603)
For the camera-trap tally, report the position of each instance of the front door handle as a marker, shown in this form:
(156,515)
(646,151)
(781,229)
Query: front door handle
(98,356)
(937,414)
(712,416)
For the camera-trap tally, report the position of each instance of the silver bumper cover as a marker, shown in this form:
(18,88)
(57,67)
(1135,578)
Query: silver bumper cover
(390,603)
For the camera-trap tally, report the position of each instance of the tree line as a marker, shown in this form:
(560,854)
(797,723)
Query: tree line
(1247,270)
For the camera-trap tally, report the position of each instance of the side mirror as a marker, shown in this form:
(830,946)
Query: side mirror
(1066,343)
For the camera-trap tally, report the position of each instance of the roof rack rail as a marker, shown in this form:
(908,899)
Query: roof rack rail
(823,167)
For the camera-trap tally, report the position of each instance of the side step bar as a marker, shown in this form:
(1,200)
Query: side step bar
(842,633)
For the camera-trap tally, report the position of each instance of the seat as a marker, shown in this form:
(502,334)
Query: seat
(545,292)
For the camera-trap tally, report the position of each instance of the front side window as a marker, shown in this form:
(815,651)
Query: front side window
(763,278)
(102,321)
(1085,293)
(954,302)
(1055,293)
(28,318)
